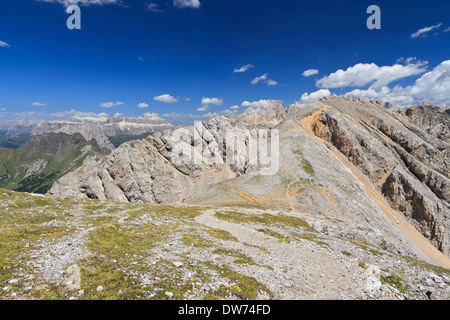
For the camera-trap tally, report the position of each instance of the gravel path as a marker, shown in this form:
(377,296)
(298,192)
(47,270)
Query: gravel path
(307,270)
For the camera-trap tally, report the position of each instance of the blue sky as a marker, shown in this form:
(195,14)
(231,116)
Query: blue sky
(169,56)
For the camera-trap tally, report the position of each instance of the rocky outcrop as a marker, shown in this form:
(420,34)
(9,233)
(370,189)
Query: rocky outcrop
(164,168)
(271,114)
(409,167)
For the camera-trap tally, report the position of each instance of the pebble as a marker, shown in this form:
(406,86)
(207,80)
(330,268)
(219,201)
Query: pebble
(99,289)
(169,294)
(178,264)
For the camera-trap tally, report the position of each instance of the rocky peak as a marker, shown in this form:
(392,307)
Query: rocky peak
(272,114)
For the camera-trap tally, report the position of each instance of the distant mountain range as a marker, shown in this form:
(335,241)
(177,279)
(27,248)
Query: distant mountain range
(108,131)
(34,154)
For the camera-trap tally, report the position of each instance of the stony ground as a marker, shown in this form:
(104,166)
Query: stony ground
(70,248)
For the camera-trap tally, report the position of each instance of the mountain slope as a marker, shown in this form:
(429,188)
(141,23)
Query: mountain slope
(347,159)
(45,158)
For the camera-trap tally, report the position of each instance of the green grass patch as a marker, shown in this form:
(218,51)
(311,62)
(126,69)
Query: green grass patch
(265,219)
(394,282)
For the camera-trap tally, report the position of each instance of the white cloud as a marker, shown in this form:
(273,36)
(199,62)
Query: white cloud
(142,105)
(141,59)
(3,44)
(83,2)
(264,78)
(153,7)
(433,86)
(363,73)
(2,109)
(310,72)
(235,107)
(39,104)
(110,104)
(204,108)
(75,113)
(189,116)
(447,29)
(259,79)
(166,98)
(425,30)
(243,69)
(187,3)
(256,104)
(214,101)
(311,97)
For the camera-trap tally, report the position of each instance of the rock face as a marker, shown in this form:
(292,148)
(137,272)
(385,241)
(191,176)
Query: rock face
(408,164)
(166,167)
(271,114)
(382,169)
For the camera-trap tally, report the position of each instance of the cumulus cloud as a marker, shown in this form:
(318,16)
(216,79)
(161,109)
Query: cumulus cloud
(195,4)
(3,44)
(166,98)
(256,104)
(153,7)
(433,86)
(243,68)
(142,105)
(310,72)
(424,31)
(311,97)
(111,104)
(264,78)
(259,79)
(363,74)
(38,104)
(236,107)
(214,101)
(83,2)
(204,108)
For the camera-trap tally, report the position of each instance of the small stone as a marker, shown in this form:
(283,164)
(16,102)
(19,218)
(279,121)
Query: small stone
(433,296)
(394,290)
(13,281)
(81,292)
(427,282)
(169,294)
(5,288)
(99,289)
(411,287)
(178,264)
